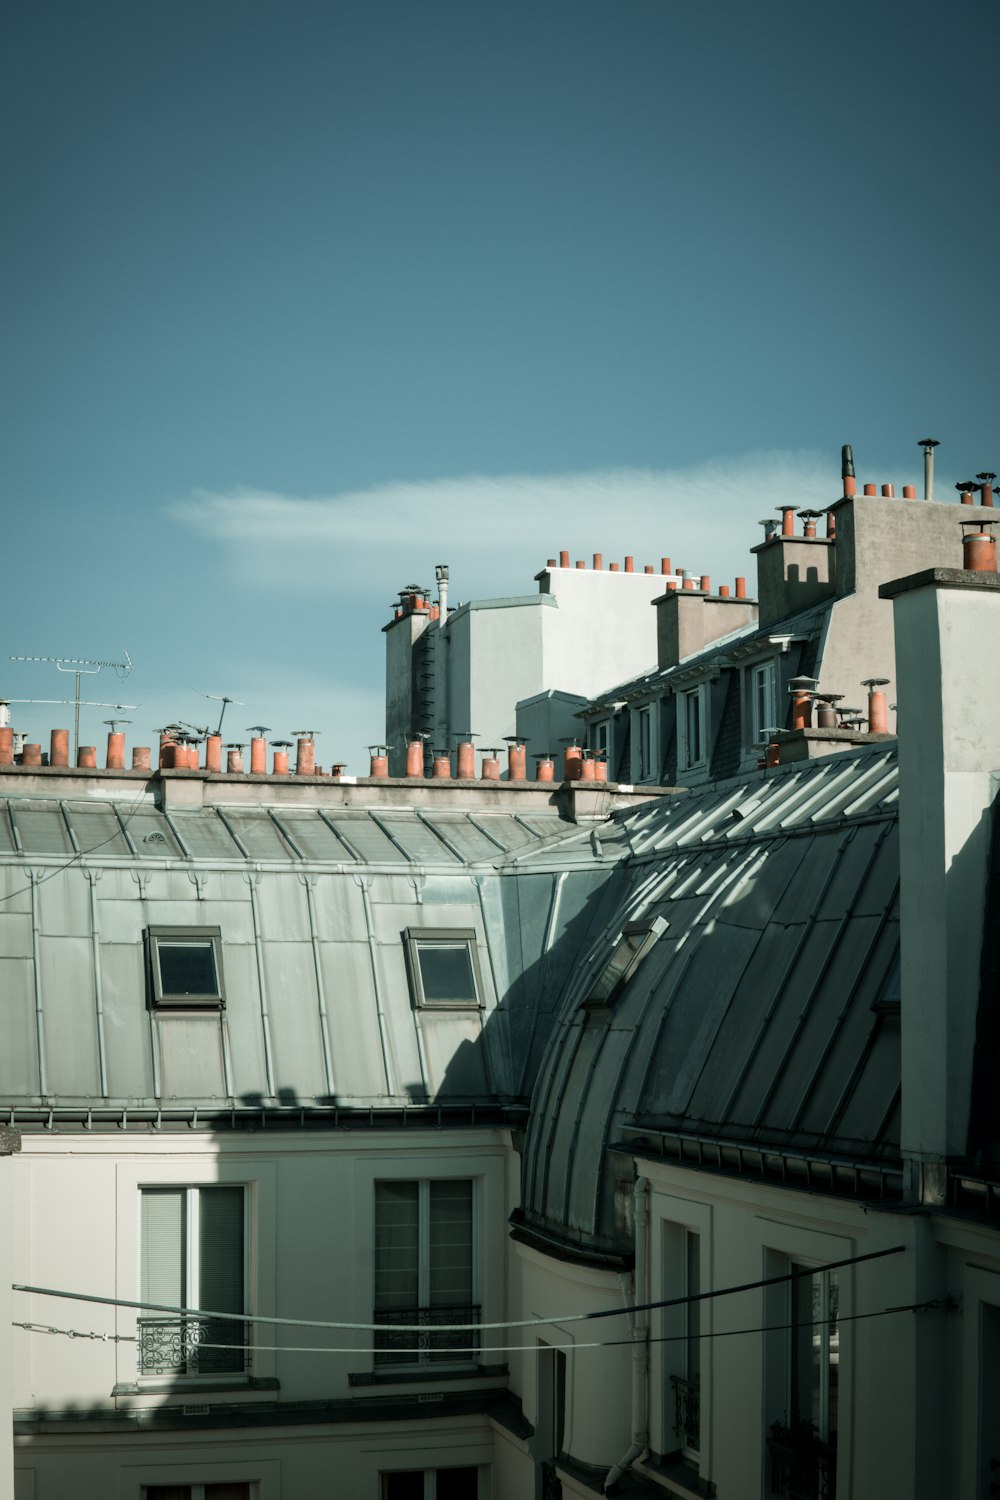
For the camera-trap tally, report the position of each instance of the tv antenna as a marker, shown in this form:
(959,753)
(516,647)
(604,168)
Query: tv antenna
(225,701)
(83,667)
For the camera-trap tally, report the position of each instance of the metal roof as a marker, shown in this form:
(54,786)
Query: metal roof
(763,1014)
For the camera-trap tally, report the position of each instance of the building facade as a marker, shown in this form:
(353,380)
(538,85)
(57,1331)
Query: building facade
(395,1137)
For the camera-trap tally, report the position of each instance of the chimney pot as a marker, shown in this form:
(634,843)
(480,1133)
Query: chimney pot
(305,756)
(598,561)
(545,769)
(490,768)
(871,489)
(613,568)
(234,762)
(258,756)
(465,761)
(6,745)
(86,757)
(909,492)
(279,762)
(630,564)
(564,559)
(664,566)
(31,755)
(741,588)
(141,758)
(723,590)
(847,471)
(580,563)
(59,747)
(213,752)
(787,519)
(706,584)
(551,563)
(517,761)
(441,769)
(414,758)
(888,492)
(116,751)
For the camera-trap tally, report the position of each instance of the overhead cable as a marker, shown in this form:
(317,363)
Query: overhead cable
(625,1310)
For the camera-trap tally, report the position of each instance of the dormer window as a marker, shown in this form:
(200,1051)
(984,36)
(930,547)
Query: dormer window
(185,968)
(634,942)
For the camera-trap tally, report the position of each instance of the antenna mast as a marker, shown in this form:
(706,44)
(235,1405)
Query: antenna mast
(81,666)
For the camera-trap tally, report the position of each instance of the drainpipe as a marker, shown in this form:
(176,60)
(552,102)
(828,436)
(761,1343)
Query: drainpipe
(639,1329)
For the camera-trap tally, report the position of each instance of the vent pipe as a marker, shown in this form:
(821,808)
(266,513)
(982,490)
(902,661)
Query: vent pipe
(928,445)
(441,574)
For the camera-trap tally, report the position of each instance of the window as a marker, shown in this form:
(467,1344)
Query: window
(432,1484)
(425,1270)
(692,747)
(635,941)
(444,966)
(763,708)
(804,1452)
(599,737)
(185,967)
(644,743)
(682,1350)
(193,1254)
(197,1492)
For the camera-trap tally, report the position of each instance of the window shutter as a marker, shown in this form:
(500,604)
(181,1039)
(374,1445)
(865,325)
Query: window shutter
(162,1248)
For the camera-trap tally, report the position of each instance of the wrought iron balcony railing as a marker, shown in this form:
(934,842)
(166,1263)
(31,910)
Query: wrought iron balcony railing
(687,1413)
(192,1346)
(803,1467)
(428,1342)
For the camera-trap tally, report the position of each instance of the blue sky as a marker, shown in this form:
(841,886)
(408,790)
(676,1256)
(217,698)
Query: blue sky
(304,298)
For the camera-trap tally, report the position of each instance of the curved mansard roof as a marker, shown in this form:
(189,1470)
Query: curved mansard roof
(763,1014)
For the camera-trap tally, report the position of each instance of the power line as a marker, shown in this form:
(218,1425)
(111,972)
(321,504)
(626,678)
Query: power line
(674,1338)
(608,1312)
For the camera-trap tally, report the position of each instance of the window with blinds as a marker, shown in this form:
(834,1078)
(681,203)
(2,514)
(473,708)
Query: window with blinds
(193,1256)
(425,1271)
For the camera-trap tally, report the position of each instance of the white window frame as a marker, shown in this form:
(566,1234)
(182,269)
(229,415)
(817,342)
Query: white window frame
(688,1226)
(192,1276)
(762,682)
(424,1360)
(201,1167)
(692,758)
(821,1340)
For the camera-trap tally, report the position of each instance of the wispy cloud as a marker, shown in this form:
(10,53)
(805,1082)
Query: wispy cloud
(497,530)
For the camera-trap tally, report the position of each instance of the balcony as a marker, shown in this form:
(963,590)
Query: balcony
(428,1342)
(803,1467)
(687,1414)
(192,1346)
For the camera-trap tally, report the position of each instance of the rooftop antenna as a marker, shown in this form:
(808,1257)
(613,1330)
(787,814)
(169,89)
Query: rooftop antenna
(225,701)
(83,667)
